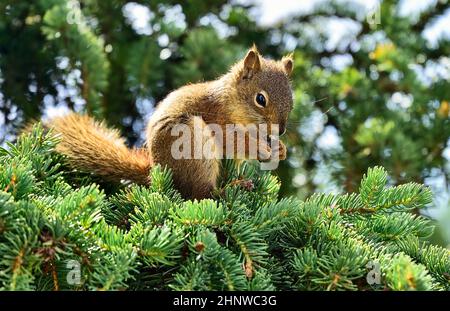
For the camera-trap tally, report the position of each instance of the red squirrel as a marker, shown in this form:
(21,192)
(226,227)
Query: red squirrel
(256,91)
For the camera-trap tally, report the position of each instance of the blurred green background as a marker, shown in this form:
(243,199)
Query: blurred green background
(371,78)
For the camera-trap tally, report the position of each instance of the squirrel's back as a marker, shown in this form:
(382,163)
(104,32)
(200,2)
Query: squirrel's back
(92,147)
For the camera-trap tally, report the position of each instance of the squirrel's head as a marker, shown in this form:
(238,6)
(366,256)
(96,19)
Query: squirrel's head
(263,88)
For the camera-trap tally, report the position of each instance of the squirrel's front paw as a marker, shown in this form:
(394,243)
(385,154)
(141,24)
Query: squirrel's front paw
(264,153)
(279,150)
(276,151)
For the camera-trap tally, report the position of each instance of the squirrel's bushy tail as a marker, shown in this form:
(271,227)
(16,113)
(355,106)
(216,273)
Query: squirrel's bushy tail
(92,147)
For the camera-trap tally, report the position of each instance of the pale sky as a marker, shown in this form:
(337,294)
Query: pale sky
(270,12)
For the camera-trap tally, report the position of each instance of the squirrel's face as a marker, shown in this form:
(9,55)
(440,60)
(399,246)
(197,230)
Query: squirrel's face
(264,89)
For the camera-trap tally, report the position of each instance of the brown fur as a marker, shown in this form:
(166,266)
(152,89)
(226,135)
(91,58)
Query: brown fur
(92,147)
(228,100)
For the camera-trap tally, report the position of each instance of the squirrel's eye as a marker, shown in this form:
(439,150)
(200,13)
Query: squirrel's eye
(261,100)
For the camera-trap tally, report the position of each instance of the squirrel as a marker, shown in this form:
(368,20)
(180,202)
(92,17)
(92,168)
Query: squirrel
(256,90)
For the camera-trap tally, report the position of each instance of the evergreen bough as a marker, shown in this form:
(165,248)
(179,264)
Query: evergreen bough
(54,220)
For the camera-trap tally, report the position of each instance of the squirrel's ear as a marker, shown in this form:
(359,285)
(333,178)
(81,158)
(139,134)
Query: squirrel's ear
(288,63)
(252,63)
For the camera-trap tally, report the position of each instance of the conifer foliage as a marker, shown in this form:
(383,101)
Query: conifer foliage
(59,230)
